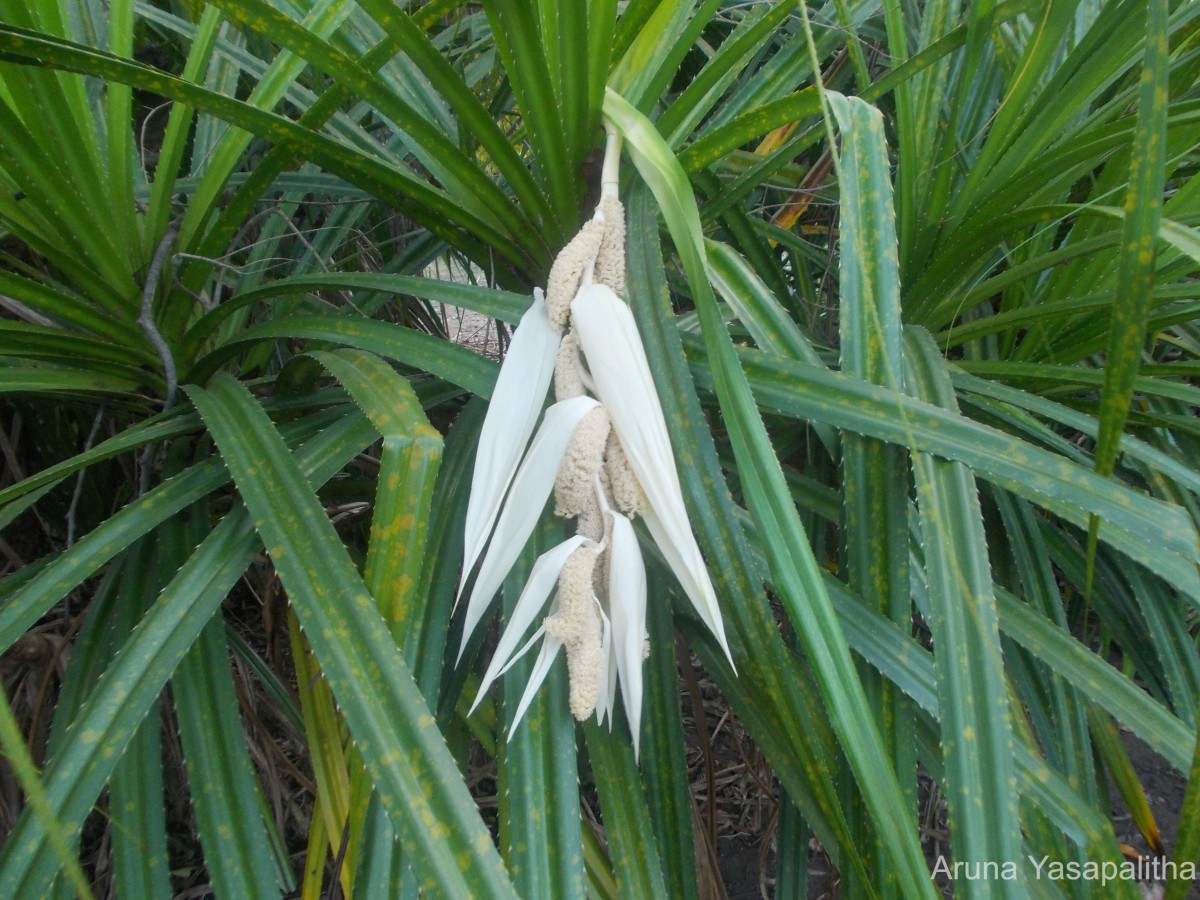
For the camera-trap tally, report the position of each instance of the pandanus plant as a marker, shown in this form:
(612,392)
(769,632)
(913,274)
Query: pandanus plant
(916,286)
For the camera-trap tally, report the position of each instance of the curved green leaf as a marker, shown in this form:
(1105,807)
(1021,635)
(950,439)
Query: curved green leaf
(78,770)
(455,169)
(24,606)
(977,742)
(13,742)
(631,843)
(489,301)
(793,567)
(456,364)
(771,692)
(242,858)
(1099,681)
(1157,534)
(428,205)
(415,775)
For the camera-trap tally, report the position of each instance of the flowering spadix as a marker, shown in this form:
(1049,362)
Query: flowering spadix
(604,451)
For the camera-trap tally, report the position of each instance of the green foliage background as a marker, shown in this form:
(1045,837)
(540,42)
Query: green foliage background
(917,281)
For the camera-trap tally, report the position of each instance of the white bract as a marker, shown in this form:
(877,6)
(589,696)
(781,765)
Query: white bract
(604,451)
(621,378)
(522,384)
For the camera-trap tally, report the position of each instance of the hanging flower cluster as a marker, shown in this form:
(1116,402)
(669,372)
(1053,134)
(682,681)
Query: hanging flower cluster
(603,450)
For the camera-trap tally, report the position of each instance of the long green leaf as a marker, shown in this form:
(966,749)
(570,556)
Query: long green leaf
(1062,730)
(166,170)
(769,673)
(412,452)
(13,742)
(417,778)
(655,49)
(217,147)
(977,742)
(771,692)
(141,863)
(454,363)
(489,301)
(454,168)
(912,669)
(76,775)
(66,187)
(397,569)
(751,124)
(429,205)
(229,808)
(1099,681)
(333,826)
(793,569)
(475,116)
(77,772)
(1040,374)
(664,761)
(24,606)
(1156,534)
(1125,780)
(1187,841)
(874,477)
(524,48)
(706,89)
(54,302)
(266,172)
(60,379)
(40,341)
(119,151)
(1166,621)
(1135,269)
(1133,448)
(626,816)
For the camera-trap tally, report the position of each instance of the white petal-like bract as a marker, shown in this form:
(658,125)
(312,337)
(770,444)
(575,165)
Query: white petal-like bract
(541,668)
(516,402)
(627,609)
(606,698)
(530,489)
(621,377)
(542,581)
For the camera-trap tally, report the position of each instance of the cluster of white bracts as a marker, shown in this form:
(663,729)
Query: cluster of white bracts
(604,451)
